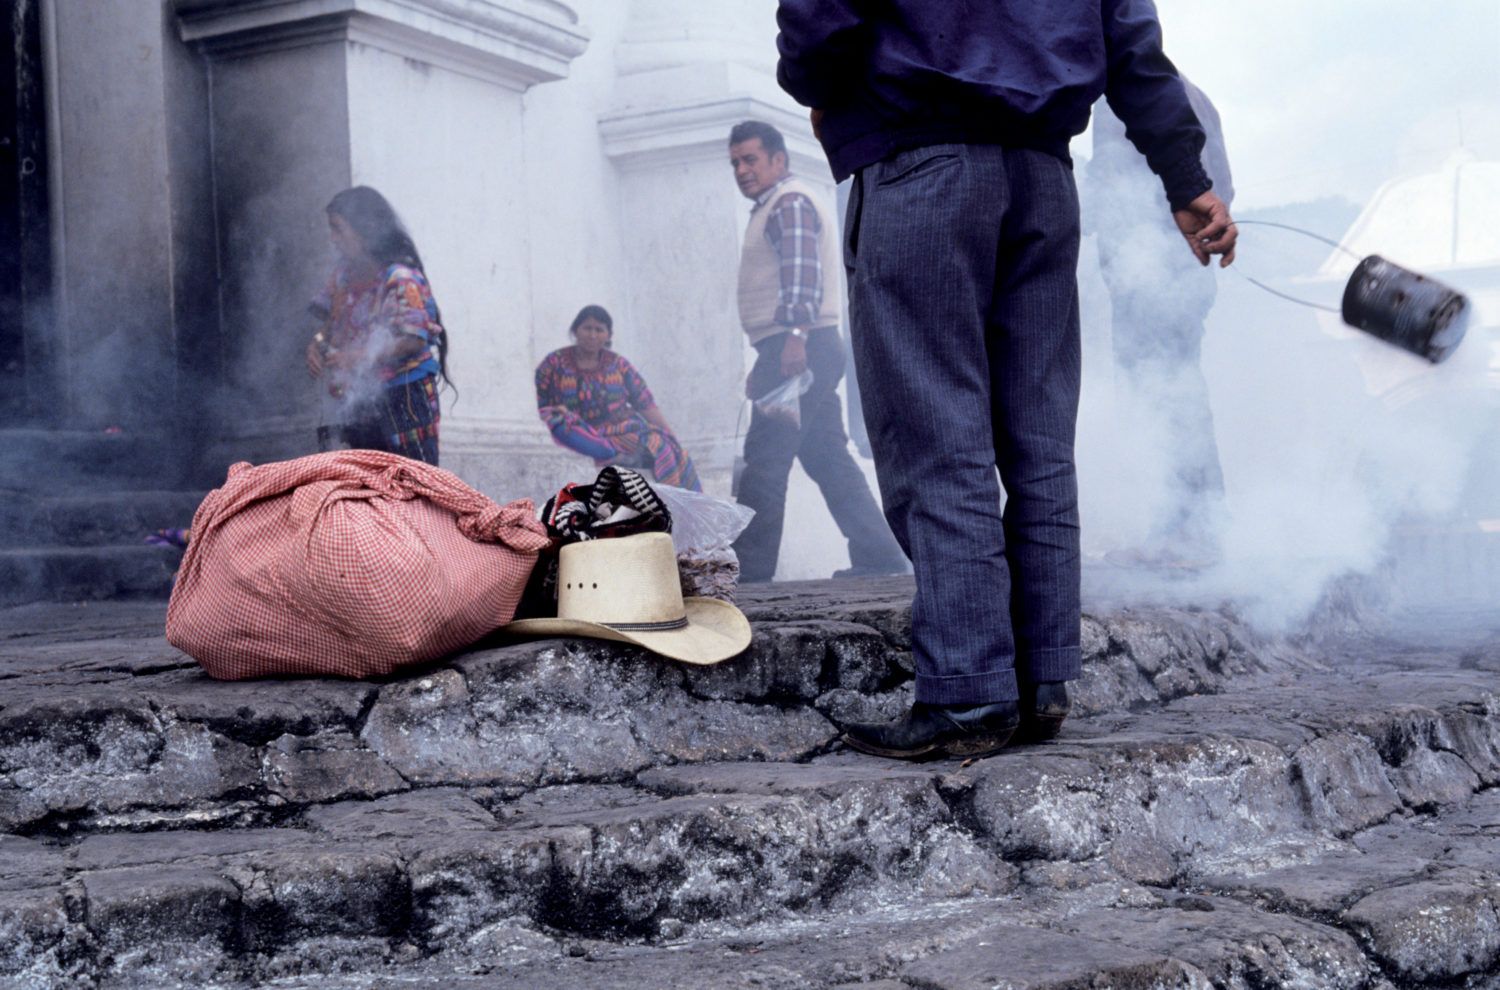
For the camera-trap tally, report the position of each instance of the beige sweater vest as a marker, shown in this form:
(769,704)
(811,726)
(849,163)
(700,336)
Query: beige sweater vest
(760,268)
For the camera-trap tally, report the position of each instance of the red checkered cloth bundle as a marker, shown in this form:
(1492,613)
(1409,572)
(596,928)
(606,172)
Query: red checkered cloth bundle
(351,563)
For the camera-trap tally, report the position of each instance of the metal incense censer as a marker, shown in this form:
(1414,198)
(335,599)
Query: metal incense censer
(1405,308)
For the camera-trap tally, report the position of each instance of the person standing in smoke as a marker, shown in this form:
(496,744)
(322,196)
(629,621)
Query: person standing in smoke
(381,345)
(1160,300)
(962,248)
(791,300)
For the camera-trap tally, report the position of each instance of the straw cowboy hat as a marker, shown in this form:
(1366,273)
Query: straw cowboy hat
(627,589)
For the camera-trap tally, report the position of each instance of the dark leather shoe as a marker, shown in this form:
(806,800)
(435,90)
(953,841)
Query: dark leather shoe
(933,730)
(1044,706)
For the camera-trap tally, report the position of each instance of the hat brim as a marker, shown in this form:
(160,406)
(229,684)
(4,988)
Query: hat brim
(715,632)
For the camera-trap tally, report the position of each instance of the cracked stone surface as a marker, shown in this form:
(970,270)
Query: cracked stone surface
(1222,810)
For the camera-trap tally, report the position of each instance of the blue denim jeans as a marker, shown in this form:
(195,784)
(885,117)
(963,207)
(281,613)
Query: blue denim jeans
(962,267)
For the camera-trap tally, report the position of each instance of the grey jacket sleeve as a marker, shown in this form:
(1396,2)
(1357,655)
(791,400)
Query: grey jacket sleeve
(1215,155)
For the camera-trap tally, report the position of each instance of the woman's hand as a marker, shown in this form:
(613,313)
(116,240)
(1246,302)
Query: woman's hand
(1209,230)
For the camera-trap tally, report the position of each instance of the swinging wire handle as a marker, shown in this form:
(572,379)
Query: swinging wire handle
(1295,230)
(1277,292)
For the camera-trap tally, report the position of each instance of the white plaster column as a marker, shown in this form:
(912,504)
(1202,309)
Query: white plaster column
(421,99)
(687,73)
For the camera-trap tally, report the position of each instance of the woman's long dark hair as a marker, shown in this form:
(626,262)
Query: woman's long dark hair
(386,239)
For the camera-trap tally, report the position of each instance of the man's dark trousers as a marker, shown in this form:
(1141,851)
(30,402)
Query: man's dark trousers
(964,303)
(823,448)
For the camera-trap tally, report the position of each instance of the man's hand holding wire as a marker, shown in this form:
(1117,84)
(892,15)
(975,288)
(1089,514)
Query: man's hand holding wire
(1206,224)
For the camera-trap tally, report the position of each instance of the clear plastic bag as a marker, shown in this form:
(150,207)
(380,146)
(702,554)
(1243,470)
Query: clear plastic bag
(784,402)
(704,528)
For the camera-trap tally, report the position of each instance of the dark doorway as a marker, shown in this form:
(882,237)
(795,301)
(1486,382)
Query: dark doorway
(26,362)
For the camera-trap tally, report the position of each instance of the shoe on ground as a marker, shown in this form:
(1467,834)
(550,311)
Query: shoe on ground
(933,730)
(1044,707)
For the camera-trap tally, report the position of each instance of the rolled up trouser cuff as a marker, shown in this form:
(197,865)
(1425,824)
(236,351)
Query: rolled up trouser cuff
(1063,663)
(968,689)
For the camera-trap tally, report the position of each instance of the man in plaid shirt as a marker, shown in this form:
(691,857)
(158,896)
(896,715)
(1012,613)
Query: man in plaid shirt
(791,303)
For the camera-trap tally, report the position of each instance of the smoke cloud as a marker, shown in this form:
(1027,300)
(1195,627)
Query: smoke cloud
(1348,464)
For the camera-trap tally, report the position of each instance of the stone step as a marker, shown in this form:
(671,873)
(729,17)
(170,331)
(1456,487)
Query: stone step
(1420,892)
(49,461)
(96,734)
(1112,837)
(587,809)
(121,518)
(62,574)
(1161,941)
(42,637)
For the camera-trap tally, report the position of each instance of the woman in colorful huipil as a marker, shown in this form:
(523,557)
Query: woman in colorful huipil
(382,344)
(597,404)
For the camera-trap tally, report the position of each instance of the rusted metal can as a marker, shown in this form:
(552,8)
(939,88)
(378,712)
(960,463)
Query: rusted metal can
(1405,308)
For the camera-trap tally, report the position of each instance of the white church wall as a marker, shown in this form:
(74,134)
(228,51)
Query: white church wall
(543,157)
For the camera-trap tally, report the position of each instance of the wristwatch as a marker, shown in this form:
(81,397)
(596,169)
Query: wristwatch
(799,333)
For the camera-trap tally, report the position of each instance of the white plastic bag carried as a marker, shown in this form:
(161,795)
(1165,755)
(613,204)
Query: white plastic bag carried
(704,528)
(784,402)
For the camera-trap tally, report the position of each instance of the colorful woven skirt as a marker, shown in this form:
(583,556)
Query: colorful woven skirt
(630,442)
(403,420)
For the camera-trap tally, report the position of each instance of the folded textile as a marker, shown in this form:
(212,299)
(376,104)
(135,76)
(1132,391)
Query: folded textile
(620,502)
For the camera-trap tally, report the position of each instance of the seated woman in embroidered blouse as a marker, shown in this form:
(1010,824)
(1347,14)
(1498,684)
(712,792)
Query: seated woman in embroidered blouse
(595,403)
(381,344)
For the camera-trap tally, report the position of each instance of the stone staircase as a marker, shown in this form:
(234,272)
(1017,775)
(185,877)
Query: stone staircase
(74,509)
(1222,811)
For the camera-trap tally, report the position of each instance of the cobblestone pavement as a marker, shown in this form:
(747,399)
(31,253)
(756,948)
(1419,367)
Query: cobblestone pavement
(1222,811)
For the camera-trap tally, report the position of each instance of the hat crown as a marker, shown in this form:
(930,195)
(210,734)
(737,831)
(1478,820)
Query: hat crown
(624,582)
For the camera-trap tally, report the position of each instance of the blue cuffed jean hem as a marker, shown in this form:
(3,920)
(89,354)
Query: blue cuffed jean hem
(968,689)
(1063,663)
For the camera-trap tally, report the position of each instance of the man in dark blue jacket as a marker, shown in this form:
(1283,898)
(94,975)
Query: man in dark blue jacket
(961,245)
